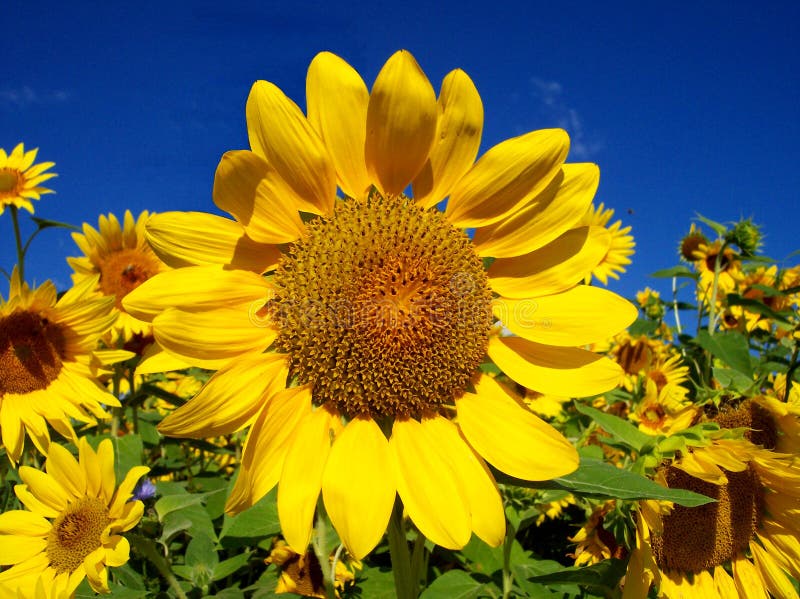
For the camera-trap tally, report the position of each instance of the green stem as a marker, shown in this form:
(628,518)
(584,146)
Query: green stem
(321,550)
(712,308)
(404,583)
(147,548)
(419,561)
(508,576)
(18,238)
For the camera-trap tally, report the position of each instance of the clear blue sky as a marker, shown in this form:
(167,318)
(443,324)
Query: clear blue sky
(686,108)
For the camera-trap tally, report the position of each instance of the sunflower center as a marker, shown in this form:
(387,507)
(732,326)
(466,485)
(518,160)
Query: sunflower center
(76,532)
(384,308)
(634,356)
(700,538)
(757,419)
(124,270)
(9,181)
(653,416)
(31,352)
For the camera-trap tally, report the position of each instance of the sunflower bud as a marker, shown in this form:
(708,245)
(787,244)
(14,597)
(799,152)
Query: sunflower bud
(747,236)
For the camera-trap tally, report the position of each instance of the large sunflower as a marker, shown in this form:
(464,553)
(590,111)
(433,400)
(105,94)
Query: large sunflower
(72,529)
(20,179)
(350,339)
(747,543)
(47,357)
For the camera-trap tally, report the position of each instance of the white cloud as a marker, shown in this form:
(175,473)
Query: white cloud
(27,96)
(561,114)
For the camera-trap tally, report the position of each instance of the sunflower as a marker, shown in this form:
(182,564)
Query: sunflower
(664,411)
(621,247)
(745,544)
(302,574)
(72,529)
(48,360)
(20,179)
(120,255)
(350,339)
(730,269)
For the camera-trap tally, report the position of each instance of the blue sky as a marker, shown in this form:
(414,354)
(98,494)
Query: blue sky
(685,108)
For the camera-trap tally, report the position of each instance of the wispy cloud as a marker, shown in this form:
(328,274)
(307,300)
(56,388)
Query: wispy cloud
(561,114)
(25,96)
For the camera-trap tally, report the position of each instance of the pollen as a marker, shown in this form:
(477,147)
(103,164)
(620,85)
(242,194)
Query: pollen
(384,308)
(124,270)
(32,350)
(76,532)
(759,423)
(702,537)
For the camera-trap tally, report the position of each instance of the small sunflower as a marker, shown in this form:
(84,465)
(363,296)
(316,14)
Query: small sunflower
(20,179)
(349,331)
(664,411)
(302,574)
(47,362)
(71,529)
(730,269)
(750,531)
(619,250)
(122,259)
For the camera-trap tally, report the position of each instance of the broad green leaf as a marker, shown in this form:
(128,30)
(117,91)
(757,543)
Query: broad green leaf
(642,327)
(718,228)
(453,584)
(733,380)
(202,558)
(730,347)
(193,519)
(675,271)
(757,307)
(128,450)
(525,573)
(619,429)
(375,583)
(599,479)
(171,503)
(603,576)
(261,520)
(229,566)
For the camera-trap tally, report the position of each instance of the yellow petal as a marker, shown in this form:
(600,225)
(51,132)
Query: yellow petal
(547,216)
(565,371)
(209,339)
(474,478)
(358,486)
(17,549)
(748,582)
(231,398)
(105,461)
(30,501)
(507,177)
(428,485)
(200,239)
(252,191)
(528,447)
(155,359)
(194,288)
(723,583)
(96,572)
(64,468)
(125,490)
(23,523)
(401,123)
(280,133)
(44,487)
(575,317)
(337,102)
(772,574)
(553,268)
(12,429)
(117,551)
(301,478)
(458,137)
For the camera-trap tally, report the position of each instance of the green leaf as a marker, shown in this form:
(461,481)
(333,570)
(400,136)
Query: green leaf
(757,307)
(642,327)
(603,576)
(261,520)
(229,566)
(171,503)
(376,583)
(128,451)
(675,271)
(718,228)
(599,479)
(733,380)
(525,573)
(730,347)
(44,223)
(193,519)
(202,558)
(619,429)
(453,584)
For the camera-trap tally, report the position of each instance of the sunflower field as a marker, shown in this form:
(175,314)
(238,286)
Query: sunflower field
(394,370)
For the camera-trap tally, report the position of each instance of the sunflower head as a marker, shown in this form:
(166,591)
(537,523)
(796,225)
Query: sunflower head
(20,179)
(691,243)
(621,245)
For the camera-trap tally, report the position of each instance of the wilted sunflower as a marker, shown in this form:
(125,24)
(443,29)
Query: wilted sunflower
(751,531)
(20,179)
(356,359)
(47,356)
(72,530)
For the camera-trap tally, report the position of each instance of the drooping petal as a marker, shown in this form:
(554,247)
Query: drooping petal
(527,448)
(474,478)
(579,316)
(246,186)
(547,216)
(506,177)
(427,483)
(280,133)
(337,101)
(199,239)
(230,399)
(117,551)
(194,288)
(553,268)
(401,123)
(301,478)
(212,338)
(358,486)
(562,371)
(458,137)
